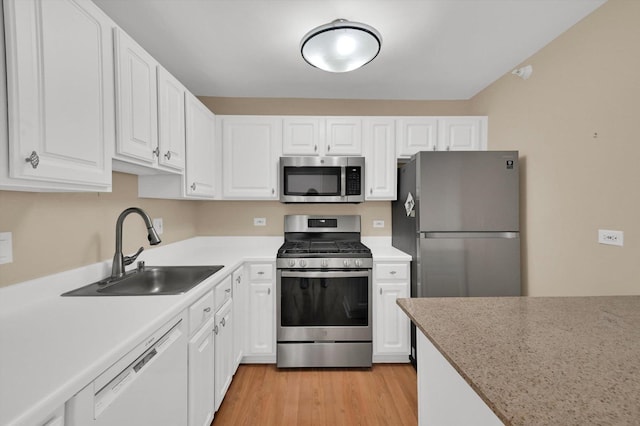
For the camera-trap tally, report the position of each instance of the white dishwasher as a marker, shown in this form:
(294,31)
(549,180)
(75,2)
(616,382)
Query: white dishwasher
(148,386)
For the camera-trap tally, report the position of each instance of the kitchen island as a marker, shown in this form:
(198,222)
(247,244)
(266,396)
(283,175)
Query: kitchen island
(533,361)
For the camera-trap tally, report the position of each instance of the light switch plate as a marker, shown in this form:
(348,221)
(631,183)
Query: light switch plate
(378,223)
(6,247)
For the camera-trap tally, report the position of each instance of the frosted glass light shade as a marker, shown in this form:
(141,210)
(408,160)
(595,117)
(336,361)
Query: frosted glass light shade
(341,46)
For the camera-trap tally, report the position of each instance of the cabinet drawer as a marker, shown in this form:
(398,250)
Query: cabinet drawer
(223,292)
(200,312)
(263,271)
(392,271)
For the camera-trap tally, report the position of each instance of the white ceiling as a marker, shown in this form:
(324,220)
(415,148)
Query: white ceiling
(431,49)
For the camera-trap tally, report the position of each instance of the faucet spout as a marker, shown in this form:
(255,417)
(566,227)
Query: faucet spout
(119,260)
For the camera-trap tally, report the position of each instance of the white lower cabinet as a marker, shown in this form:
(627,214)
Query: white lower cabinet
(201,388)
(223,331)
(239,301)
(201,376)
(391,328)
(260,343)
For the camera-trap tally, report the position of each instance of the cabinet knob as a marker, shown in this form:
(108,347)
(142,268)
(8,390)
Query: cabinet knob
(273,191)
(392,272)
(260,272)
(207,310)
(328,148)
(238,279)
(315,148)
(380,292)
(370,190)
(268,291)
(223,322)
(156,152)
(168,155)
(215,330)
(34,159)
(434,147)
(227,290)
(193,186)
(448,148)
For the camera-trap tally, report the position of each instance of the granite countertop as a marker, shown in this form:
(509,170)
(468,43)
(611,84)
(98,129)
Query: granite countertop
(542,360)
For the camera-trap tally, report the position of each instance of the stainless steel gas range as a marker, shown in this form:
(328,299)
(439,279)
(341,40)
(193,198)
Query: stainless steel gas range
(323,293)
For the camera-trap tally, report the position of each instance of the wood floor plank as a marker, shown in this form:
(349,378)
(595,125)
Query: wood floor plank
(262,395)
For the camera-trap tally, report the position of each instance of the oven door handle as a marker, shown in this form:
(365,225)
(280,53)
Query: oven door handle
(325,274)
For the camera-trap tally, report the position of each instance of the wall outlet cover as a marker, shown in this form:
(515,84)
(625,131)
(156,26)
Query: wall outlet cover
(6,247)
(259,221)
(158,225)
(609,237)
(378,223)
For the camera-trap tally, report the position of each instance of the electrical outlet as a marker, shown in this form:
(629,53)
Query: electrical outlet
(612,238)
(378,223)
(158,225)
(6,248)
(259,221)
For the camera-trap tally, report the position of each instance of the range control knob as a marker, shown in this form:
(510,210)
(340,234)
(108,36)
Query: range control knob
(347,263)
(292,263)
(324,263)
(358,263)
(303,263)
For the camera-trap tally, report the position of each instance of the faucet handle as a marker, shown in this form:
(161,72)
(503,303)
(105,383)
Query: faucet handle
(128,260)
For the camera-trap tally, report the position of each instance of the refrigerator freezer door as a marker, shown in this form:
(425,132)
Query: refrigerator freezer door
(469,266)
(468,191)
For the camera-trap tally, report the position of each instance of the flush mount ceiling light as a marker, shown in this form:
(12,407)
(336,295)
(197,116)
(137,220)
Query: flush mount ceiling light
(340,46)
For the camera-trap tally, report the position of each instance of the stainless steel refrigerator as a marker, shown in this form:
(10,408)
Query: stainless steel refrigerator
(457,215)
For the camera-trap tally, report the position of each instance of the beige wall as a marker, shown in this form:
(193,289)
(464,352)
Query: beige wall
(53,232)
(587,81)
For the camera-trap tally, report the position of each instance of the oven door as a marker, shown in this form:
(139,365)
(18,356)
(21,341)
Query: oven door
(320,305)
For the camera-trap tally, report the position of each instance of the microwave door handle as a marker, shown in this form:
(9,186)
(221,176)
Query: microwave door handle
(343,181)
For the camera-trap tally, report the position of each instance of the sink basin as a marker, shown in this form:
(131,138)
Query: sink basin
(152,280)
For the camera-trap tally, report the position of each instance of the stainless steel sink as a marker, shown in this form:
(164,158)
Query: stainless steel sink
(152,280)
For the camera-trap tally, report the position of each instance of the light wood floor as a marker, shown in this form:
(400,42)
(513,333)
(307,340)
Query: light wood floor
(263,395)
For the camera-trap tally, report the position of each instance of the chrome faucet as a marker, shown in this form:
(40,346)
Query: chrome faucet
(120,261)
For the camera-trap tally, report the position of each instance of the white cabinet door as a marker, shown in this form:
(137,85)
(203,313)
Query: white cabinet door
(224,350)
(380,157)
(416,134)
(60,96)
(239,329)
(136,101)
(250,148)
(343,136)
(201,376)
(391,327)
(302,136)
(171,121)
(260,330)
(462,133)
(200,177)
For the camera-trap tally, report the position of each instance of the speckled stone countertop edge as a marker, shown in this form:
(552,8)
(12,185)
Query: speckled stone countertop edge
(474,386)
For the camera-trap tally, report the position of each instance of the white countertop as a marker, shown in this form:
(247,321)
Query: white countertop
(52,346)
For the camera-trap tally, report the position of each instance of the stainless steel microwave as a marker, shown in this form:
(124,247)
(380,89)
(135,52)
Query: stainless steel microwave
(322,179)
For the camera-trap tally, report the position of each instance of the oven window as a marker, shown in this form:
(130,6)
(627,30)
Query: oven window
(312,180)
(324,301)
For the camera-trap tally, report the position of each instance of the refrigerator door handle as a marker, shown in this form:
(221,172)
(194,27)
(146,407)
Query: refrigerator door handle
(509,235)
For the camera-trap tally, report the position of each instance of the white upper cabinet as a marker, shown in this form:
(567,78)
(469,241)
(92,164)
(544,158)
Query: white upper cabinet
(251,147)
(200,176)
(416,134)
(463,133)
(380,158)
(171,121)
(136,101)
(310,135)
(60,96)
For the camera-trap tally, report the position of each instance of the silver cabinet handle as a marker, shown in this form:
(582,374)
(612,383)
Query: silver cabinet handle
(260,272)
(448,148)
(207,310)
(156,152)
(268,291)
(168,155)
(273,191)
(223,322)
(380,292)
(392,272)
(34,159)
(370,190)
(227,290)
(315,148)
(328,148)
(434,147)
(193,186)
(215,330)
(238,279)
